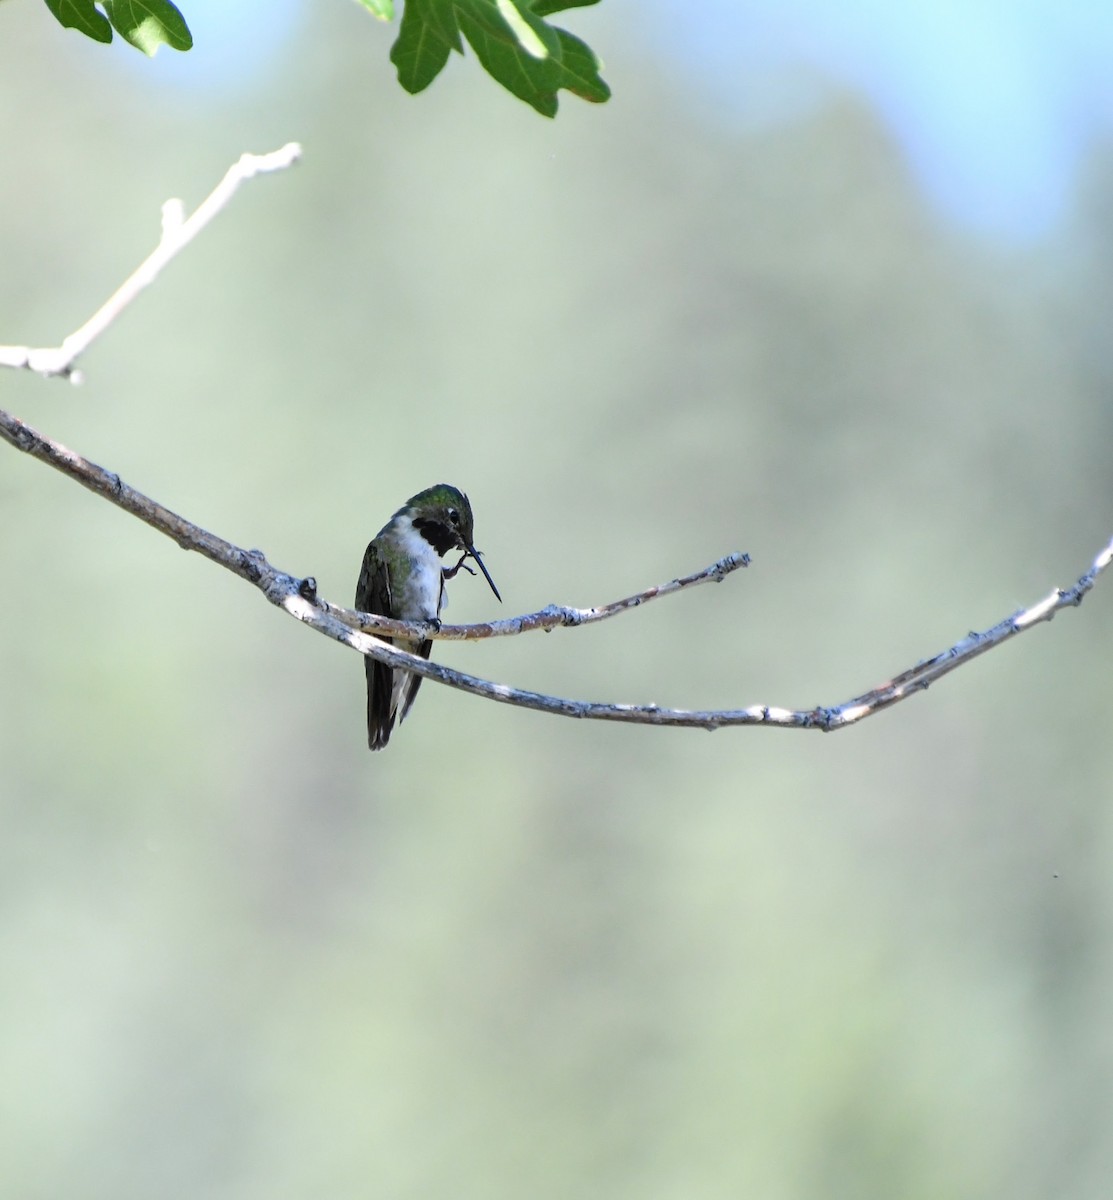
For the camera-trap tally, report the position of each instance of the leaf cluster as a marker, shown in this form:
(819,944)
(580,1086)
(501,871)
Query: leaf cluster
(146,24)
(512,40)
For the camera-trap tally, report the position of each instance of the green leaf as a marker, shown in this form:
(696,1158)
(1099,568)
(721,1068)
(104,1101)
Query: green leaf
(424,43)
(529,77)
(512,22)
(383,9)
(545,8)
(82,15)
(535,37)
(581,69)
(441,14)
(529,57)
(148,24)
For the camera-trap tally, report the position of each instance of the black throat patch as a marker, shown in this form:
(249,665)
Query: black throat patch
(437,534)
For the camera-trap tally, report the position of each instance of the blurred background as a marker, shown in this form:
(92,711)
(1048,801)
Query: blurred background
(826,283)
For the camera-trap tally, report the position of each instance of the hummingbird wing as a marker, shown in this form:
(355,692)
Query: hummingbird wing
(389,693)
(373,595)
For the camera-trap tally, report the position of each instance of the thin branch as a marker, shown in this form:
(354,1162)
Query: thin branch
(299,598)
(280,587)
(919,677)
(554,616)
(177,233)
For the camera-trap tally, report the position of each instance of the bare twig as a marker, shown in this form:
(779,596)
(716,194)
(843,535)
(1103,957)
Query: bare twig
(552,617)
(299,594)
(919,677)
(177,233)
(299,598)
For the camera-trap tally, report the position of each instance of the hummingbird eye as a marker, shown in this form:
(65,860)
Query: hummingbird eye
(454,516)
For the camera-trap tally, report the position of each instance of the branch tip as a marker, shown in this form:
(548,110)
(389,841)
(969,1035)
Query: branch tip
(176,233)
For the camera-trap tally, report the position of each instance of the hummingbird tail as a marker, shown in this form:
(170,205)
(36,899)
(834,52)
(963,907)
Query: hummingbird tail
(380,720)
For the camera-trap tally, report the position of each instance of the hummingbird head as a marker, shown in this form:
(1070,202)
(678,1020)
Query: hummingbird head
(442,515)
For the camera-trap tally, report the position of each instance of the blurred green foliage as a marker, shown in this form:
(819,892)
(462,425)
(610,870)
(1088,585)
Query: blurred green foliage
(517,956)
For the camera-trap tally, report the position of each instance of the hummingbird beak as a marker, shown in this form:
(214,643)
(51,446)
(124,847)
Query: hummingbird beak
(486,574)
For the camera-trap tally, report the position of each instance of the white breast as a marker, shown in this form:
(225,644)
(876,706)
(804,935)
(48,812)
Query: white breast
(423,595)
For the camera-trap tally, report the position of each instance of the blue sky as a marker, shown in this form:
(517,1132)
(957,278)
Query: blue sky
(994,102)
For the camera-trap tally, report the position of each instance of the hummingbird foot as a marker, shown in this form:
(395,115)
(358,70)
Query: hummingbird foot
(452,572)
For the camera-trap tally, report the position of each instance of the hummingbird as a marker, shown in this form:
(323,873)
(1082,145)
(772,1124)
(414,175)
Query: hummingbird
(402,577)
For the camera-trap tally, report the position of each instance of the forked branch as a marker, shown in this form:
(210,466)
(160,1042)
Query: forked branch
(298,597)
(177,232)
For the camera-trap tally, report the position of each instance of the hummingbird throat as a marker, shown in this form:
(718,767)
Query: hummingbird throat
(437,534)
